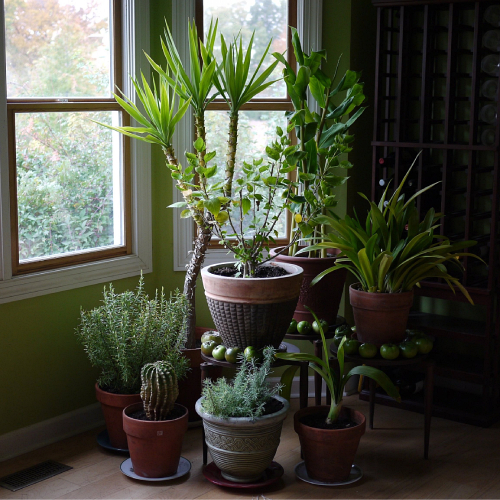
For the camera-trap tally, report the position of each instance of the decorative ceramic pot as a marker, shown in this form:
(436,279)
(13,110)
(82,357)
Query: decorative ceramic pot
(112,408)
(154,446)
(324,297)
(252,311)
(243,448)
(329,453)
(380,318)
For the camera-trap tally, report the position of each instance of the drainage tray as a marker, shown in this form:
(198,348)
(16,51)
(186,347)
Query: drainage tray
(32,475)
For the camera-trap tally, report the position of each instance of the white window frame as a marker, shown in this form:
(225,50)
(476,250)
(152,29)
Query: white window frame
(309,27)
(136,32)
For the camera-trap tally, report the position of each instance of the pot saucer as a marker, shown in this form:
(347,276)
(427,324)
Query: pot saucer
(103,440)
(301,472)
(127,469)
(270,476)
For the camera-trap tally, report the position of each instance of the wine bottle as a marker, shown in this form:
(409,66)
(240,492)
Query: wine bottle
(387,161)
(408,388)
(384,182)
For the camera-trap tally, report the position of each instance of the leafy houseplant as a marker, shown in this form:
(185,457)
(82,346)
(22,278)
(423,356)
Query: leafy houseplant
(120,336)
(329,451)
(155,440)
(390,253)
(241,435)
(323,138)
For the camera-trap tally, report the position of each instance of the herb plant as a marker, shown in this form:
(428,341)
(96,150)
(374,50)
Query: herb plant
(246,395)
(129,330)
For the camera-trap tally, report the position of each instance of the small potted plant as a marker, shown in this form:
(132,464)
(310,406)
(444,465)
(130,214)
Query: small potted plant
(120,336)
(390,252)
(323,138)
(155,428)
(243,420)
(330,435)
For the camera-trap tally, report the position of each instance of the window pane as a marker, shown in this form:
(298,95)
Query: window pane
(68,183)
(58,48)
(256,130)
(269,19)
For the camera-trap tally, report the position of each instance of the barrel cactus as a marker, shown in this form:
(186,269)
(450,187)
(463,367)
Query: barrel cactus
(159,389)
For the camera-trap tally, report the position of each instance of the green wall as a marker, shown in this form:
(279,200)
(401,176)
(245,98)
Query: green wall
(43,368)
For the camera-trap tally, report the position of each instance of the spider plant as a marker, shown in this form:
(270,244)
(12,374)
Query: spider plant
(334,374)
(393,250)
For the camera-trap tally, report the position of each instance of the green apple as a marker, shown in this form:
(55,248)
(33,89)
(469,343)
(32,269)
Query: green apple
(338,339)
(322,323)
(367,350)
(219,353)
(232,354)
(304,328)
(351,347)
(389,351)
(343,330)
(293,326)
(251,353)
(208,346)
(408,349)
(211,336)
(424,345)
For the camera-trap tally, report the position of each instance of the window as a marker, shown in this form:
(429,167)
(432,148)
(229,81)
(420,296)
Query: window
(258,120)
(74,209)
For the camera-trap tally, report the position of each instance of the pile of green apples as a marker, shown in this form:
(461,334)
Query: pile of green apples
(306,328)
(416,342)
(211,345)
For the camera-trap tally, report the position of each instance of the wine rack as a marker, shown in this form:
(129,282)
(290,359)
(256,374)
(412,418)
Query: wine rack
(437,93)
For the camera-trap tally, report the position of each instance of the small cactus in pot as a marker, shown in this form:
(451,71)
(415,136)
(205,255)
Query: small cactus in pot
(159,389)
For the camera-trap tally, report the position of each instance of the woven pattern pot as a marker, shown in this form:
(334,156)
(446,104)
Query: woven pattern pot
(329,453)
(241,448)
(252,311)
(380,318)
(324,297)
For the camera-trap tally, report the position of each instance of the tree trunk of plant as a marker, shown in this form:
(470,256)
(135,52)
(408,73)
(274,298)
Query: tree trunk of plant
(231,154)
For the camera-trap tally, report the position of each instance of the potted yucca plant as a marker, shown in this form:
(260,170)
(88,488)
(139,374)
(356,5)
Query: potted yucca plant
(128,330)
(155,428)
(330,435)
(243,420)
(390,252)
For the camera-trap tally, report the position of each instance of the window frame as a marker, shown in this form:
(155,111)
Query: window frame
(309,24)
(136,255)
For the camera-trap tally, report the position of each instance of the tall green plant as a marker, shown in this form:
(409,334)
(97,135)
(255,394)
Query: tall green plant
(323,138)
(334,374)
(393,250)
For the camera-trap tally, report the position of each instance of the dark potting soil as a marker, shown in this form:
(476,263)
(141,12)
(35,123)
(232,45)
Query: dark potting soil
(112,390)
(318,421)
(260,272)
(272,406)
(175,413)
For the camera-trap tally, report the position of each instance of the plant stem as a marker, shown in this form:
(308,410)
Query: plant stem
(334,412)
(231,154)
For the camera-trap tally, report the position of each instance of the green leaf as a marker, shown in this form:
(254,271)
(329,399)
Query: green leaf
(185,214)
(287,380)
(213,206)
(199,144)
(246,204)
(380,377)
(178,204)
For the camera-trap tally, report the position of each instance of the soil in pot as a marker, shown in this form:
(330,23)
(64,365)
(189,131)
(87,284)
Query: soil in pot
(260,272)
(318,421)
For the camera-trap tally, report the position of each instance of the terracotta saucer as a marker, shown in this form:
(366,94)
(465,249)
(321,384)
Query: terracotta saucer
(301,472)
(103,440)
(127,469)
(270,476)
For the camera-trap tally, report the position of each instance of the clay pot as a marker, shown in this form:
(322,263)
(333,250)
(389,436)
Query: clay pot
(243,448)
(329,453)
(380,318)
(252,311)
(112,407)
(154,446)
(324,297)
(190,386)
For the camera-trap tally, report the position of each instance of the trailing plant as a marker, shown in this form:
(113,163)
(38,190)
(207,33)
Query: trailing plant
(393,250)
(166,102)
(323,137)
(129,330)
(334,374)
(159,389)
(246,395)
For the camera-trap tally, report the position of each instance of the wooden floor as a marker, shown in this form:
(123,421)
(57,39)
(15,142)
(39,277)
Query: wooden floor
(464,463)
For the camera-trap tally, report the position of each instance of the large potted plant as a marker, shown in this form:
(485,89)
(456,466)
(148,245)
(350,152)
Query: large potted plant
(120,336)
(243,420)
(390,252)
(155,428)
(330,435)
(323,136)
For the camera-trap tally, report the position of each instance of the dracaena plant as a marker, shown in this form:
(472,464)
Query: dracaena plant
(393,250)
(323,138)
(335,375)
(175,88)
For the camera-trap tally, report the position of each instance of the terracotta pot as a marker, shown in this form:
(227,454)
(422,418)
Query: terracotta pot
(252,311)
(329,453)
(190,387)
(380,318)
(112,407)
(324,297)
(243,448)
(154,446)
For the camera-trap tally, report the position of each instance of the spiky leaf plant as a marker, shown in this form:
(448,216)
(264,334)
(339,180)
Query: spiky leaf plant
(159,389)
